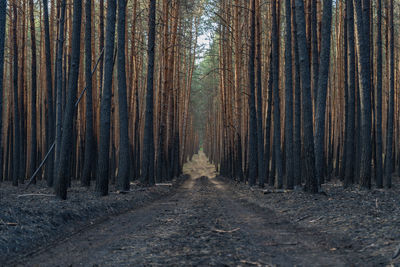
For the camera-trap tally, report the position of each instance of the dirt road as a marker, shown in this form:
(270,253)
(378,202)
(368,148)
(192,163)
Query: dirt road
(203,224)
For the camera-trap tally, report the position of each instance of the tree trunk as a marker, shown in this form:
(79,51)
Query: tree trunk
(390,116)
(67,134)
(288,98)
(123,157)
(148,142)
(309,156)
(378,99)
(88,165)
(50,104)
(350,144)
(297,163)
(365,97)
(17,130)
(3,13)
(322,91)
(59,81)
(103,173)
(251,100)
(277,114)
(260,131)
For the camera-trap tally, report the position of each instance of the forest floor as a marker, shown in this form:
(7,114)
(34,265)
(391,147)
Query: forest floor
(33,219)
(212,221)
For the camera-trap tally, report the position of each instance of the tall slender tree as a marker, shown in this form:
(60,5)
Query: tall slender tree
(251,99)
(148,142)
(89,134)
(103,165)
(68,118)
(322,90)
(365,96)
(288,97)
(33,154)
(308,139)
(17,142)
(260,131)
(378,98)
(3,15)
(277,114)
(59,80)
(350,144)
(297,163)
(390,116)
(123,157)
(49,84)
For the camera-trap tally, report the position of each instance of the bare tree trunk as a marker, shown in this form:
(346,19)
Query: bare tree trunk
(59,81)
(67,134)
(322,91)
(123,157)
(365,97)
(3,14)
(251,99)
(297,162)
(351,151)
(148,142)
(88,164)
(390,116)
(288,97)
(17,130)
(260,131)
(277,114)
(50,104)
(103,173)
(378,99)
(309,156)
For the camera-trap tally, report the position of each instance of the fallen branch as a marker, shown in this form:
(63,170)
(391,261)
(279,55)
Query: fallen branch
(226,231)
(317,219)
(164,184)
(281,244)
(277,191)
(396,253)
(251,263)
(35,195)
(302,218)
(9,223)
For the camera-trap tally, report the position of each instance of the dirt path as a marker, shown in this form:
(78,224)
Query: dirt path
(203,224)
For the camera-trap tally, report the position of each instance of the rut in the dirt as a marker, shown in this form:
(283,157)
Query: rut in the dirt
(202,224)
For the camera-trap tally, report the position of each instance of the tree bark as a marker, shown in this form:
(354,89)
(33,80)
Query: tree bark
(17,130)
(103,173)
(365,97)
(322,91)
(251,100)
(50,104)
(59,81)
(390,116)
(288,98)
(88,165)
(309,156)
(123,157)
(297,162)
(148,142)
(67,134)
(277,114)
(3,15)
(378,99)
(350,144)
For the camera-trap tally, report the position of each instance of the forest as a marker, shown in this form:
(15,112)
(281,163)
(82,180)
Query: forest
(208,117)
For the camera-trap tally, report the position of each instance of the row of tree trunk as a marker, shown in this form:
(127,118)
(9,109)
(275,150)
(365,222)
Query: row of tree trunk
(323,65)
(76,105)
